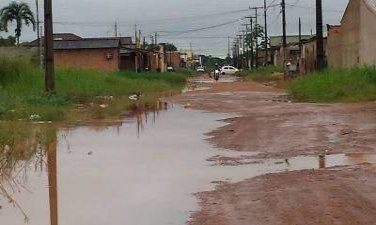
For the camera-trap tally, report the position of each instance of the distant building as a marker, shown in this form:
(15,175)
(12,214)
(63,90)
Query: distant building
(56,37)
(290,39)
(92,53)
(353,42)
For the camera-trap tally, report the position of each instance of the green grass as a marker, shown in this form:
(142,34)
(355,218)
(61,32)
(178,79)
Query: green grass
(22,91)
(336,85)
(261,74)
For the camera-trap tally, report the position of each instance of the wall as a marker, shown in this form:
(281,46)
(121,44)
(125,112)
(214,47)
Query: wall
(351,35)
(87,59)
(334,47)
(367,34)
(173,59)
(127,62)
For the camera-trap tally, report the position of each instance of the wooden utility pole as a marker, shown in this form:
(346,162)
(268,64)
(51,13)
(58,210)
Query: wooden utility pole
(284,41)
(48,48)
(266,34)
(300,38)
(135,53)
(319,35)
(256,34)
(38,35)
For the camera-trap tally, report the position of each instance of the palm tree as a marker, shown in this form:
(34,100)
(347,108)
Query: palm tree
(18,12)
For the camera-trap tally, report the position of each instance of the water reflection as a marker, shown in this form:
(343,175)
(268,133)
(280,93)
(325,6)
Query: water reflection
(22,147)
(66,176)
(52,180)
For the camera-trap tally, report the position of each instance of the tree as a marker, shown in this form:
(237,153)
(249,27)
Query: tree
(254,35)
(10,41)
(19,13)
(170,47)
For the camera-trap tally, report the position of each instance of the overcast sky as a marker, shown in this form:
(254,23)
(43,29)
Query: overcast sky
(96,18)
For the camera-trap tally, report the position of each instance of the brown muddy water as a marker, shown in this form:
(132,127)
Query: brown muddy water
(142,170)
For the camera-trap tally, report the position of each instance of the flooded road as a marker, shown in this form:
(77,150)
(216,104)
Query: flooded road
(143,170)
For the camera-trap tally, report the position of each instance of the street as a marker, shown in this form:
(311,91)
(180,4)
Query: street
(338,137)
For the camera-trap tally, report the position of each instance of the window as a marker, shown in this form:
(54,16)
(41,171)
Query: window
(108,55)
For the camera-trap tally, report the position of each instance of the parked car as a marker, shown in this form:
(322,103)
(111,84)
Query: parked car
(228,70)
(200,69)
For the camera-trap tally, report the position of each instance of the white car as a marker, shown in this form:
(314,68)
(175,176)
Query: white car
(200,69)
(228,70)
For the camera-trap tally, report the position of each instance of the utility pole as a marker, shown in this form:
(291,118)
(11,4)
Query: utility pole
(116,29)
(252,38)
(256,34)
(139,38)
(300,38)
(319,36)
(228,47)
(284,41)
(266,34)
(246,45)
(156,38)
(38,35)
(252,34)
(48,48)
(135,53)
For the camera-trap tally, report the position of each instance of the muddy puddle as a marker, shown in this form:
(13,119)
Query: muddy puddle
(142,170)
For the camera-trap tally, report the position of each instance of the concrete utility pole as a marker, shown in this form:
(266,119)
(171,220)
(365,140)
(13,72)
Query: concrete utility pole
(116,29)
(266,34)
(246,45)
(241,48)
(228,47)
(319,35)
(48,48)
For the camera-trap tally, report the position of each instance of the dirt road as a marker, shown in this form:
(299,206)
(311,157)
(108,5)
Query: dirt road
(269,125)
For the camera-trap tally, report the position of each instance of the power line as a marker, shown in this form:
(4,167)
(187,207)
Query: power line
(171,33)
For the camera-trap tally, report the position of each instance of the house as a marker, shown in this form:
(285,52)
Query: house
(277,40)
(56,37)
(352,43)
(292,49)
(307,62)
(109,54)
(89,53)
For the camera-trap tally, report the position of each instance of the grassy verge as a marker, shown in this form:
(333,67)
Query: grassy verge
(270,74)
(81,94)
(345,85)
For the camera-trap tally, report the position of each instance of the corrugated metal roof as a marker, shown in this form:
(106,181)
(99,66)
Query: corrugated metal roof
(86,44)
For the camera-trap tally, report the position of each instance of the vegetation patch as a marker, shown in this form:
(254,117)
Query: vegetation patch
(271,75)
(336,85)
(79,92)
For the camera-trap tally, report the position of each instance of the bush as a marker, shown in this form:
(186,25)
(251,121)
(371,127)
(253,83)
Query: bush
(336,85)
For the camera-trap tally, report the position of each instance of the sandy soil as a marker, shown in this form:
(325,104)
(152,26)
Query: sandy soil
(269,125)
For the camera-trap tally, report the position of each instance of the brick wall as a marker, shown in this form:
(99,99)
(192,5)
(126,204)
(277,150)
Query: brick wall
(88,59)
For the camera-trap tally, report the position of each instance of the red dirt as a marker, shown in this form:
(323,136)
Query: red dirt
(271,126)
(343,196)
